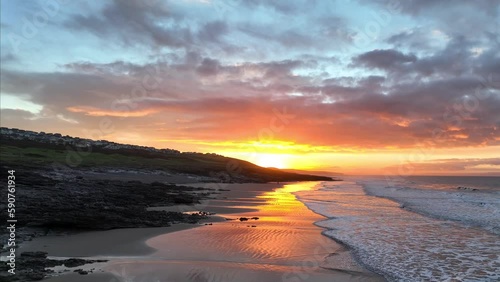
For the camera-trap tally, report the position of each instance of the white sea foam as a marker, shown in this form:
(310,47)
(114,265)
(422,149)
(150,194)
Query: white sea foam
(477,208)
(403,245)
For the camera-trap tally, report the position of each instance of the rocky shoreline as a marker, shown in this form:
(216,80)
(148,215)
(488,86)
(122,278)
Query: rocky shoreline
(62,205)
(62,189)
(90,204)
(34,266)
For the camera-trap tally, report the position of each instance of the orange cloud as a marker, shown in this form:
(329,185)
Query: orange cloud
(96,112)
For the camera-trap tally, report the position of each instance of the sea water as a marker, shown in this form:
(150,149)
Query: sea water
(415,229)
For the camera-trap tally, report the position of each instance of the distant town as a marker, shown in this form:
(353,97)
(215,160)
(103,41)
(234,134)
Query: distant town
(66,140)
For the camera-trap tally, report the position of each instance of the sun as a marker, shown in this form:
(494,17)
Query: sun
(271,160)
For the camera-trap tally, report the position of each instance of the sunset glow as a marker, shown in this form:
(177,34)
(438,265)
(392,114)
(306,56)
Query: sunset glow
(357,87)
(250,140)
(272,160)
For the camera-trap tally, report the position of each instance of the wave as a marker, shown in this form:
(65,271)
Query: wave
(402,245)
(468,206)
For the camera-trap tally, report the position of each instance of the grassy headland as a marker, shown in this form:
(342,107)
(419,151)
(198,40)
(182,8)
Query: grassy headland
(40,154)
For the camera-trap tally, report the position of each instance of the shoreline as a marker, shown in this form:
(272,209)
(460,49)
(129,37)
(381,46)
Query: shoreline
(400,244)
(146,247)
(348,248)
(289,241)
(129,242)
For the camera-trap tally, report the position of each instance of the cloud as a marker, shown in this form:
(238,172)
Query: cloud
(384,59)
(50,122)
(208,67)
(285,7)
(456,17)
(134,21)
(416,7)
(92,111)
(457,58)
(181,69)
(16,114)
(8,58)
(213,31)
(327,33)
(419,39)
(239,100)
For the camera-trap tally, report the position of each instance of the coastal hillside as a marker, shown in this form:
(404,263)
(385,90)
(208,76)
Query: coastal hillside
(44,150)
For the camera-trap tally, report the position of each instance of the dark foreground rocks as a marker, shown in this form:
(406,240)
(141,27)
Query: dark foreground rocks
(87,204)
(466,188)
(31,266)
(48,205)
(246,218)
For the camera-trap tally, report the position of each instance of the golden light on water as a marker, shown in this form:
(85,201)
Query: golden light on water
(283,201)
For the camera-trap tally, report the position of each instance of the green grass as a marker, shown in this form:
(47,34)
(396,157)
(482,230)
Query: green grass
(34,154)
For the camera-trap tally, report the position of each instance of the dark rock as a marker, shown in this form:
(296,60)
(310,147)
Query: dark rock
(83,272)
(243,219)
(32,266)
(85,205)
(61,206)
(74,262)
(466,188)
(41,255)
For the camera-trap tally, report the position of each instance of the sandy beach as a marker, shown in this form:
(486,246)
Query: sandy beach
(281,245)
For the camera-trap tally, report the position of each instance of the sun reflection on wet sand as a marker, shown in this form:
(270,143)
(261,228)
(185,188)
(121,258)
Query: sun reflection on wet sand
(280,245)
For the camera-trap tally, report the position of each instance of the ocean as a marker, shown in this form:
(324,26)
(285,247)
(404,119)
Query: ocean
(419,228)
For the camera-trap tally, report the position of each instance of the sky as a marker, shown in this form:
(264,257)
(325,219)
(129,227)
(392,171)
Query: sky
(351,86)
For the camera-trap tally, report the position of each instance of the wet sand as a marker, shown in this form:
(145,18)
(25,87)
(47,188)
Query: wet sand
(75,277)
(282,245)
(116,242)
